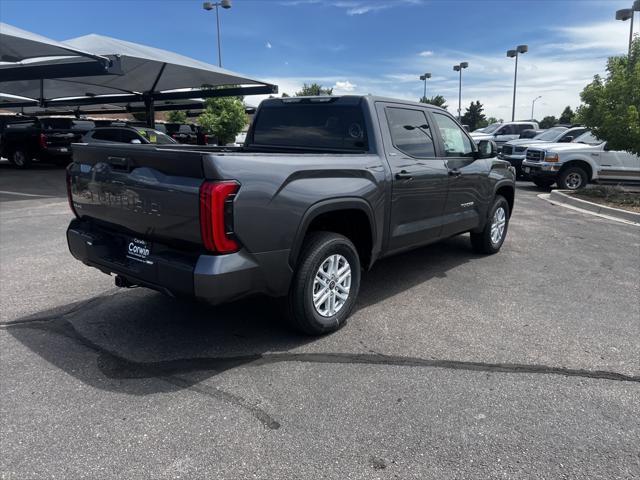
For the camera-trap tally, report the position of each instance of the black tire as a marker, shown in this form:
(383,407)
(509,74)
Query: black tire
(21,158)
(301,312)
(543,182)
(572,178)
(482,242)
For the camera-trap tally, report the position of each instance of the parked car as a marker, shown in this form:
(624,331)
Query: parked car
(502,133)
(44,139)
(323,187)
(125,134)
(6,119)
(515,150)
(187,133)
(573,165)
(531,133)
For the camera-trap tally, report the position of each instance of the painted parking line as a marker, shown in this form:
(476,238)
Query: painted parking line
(23,194)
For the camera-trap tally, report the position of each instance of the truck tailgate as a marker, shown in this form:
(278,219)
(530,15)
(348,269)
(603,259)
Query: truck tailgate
(147,192)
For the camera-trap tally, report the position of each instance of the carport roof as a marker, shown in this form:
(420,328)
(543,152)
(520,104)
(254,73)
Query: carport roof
(145,72)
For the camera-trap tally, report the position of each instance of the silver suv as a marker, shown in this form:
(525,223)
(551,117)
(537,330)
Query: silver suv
(502,133)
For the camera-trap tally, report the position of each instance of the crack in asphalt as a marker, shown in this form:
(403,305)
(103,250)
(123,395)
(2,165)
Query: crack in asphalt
(114,366)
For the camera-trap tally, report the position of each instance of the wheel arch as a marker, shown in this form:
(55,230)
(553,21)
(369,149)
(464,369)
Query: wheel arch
(508,191)
(349,216)
(579,162)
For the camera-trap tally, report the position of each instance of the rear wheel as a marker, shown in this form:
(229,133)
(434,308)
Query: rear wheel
(572,178)
(325,285)
(492,236)
(21,158)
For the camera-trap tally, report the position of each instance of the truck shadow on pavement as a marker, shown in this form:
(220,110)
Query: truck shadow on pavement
(140,342)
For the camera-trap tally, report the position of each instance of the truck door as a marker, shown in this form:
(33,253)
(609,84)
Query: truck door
(420,180)
(466,193)
(618,165)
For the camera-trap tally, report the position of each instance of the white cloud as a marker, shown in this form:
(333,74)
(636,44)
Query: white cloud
(268,45)
(610,36)
(354,7)
(345,86)
(425,53)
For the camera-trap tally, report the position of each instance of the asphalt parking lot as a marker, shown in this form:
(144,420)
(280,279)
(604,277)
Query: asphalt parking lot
(521,365)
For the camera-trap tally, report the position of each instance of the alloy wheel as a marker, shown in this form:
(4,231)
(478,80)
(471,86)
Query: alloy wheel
(331,285)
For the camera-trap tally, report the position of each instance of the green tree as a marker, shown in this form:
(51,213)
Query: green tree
(473,115)
(313,90)
(177,116)
(438,101)
(223,117)
(548,121)
(567,115)
(285,94)
(491,120)
(611,106)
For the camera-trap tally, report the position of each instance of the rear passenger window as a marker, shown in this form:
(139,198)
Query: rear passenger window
(410,132)
(108,135)
(456,143)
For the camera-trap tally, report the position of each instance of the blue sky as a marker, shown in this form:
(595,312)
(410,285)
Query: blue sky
(369,46)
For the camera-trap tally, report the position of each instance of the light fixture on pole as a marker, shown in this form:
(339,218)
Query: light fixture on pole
(514,53)
(628,14)
(533,104)
(424,77)
(226,4)
(459,68)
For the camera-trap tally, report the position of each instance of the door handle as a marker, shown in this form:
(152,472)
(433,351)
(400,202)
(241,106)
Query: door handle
(455,173)
(403,175)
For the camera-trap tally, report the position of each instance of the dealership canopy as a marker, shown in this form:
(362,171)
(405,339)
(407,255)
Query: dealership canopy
(147,73)
(28,56)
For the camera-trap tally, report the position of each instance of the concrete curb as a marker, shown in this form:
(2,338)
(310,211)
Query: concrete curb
(558,196)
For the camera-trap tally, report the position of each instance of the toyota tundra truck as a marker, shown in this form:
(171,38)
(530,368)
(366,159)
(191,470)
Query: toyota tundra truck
(322,188)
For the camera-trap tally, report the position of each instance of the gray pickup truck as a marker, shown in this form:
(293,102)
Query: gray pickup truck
(322,188)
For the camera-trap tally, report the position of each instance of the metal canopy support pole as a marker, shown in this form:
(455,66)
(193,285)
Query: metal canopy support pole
(41,99)
(149,111)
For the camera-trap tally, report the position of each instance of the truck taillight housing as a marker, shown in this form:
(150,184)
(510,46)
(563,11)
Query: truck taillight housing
(70,194)
(43,140)
(216,216)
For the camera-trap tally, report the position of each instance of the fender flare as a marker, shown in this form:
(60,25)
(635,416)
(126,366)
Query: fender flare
(330,205)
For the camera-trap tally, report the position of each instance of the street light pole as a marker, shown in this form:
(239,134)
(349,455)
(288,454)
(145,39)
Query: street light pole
(515,53)
(424,77)
(459,68)
(226,4)
(533,104)
(628,14)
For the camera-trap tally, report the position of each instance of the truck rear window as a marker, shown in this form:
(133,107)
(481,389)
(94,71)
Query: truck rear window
(311,125)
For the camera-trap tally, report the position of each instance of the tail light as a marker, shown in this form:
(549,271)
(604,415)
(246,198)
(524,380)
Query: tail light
(206,139)
(70,194)
(216,216)
(43,140)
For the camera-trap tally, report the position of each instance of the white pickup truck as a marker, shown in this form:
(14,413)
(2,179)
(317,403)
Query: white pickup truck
(573,165)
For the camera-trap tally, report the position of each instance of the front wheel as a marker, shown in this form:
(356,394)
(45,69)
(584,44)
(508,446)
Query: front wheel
(572,178)
(491,238)
(325,285)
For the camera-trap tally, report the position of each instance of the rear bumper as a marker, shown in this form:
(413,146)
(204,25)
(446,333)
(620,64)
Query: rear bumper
(213,278)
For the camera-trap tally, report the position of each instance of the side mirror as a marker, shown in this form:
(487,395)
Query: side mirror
(136,141)
(486,149)
(568,139)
